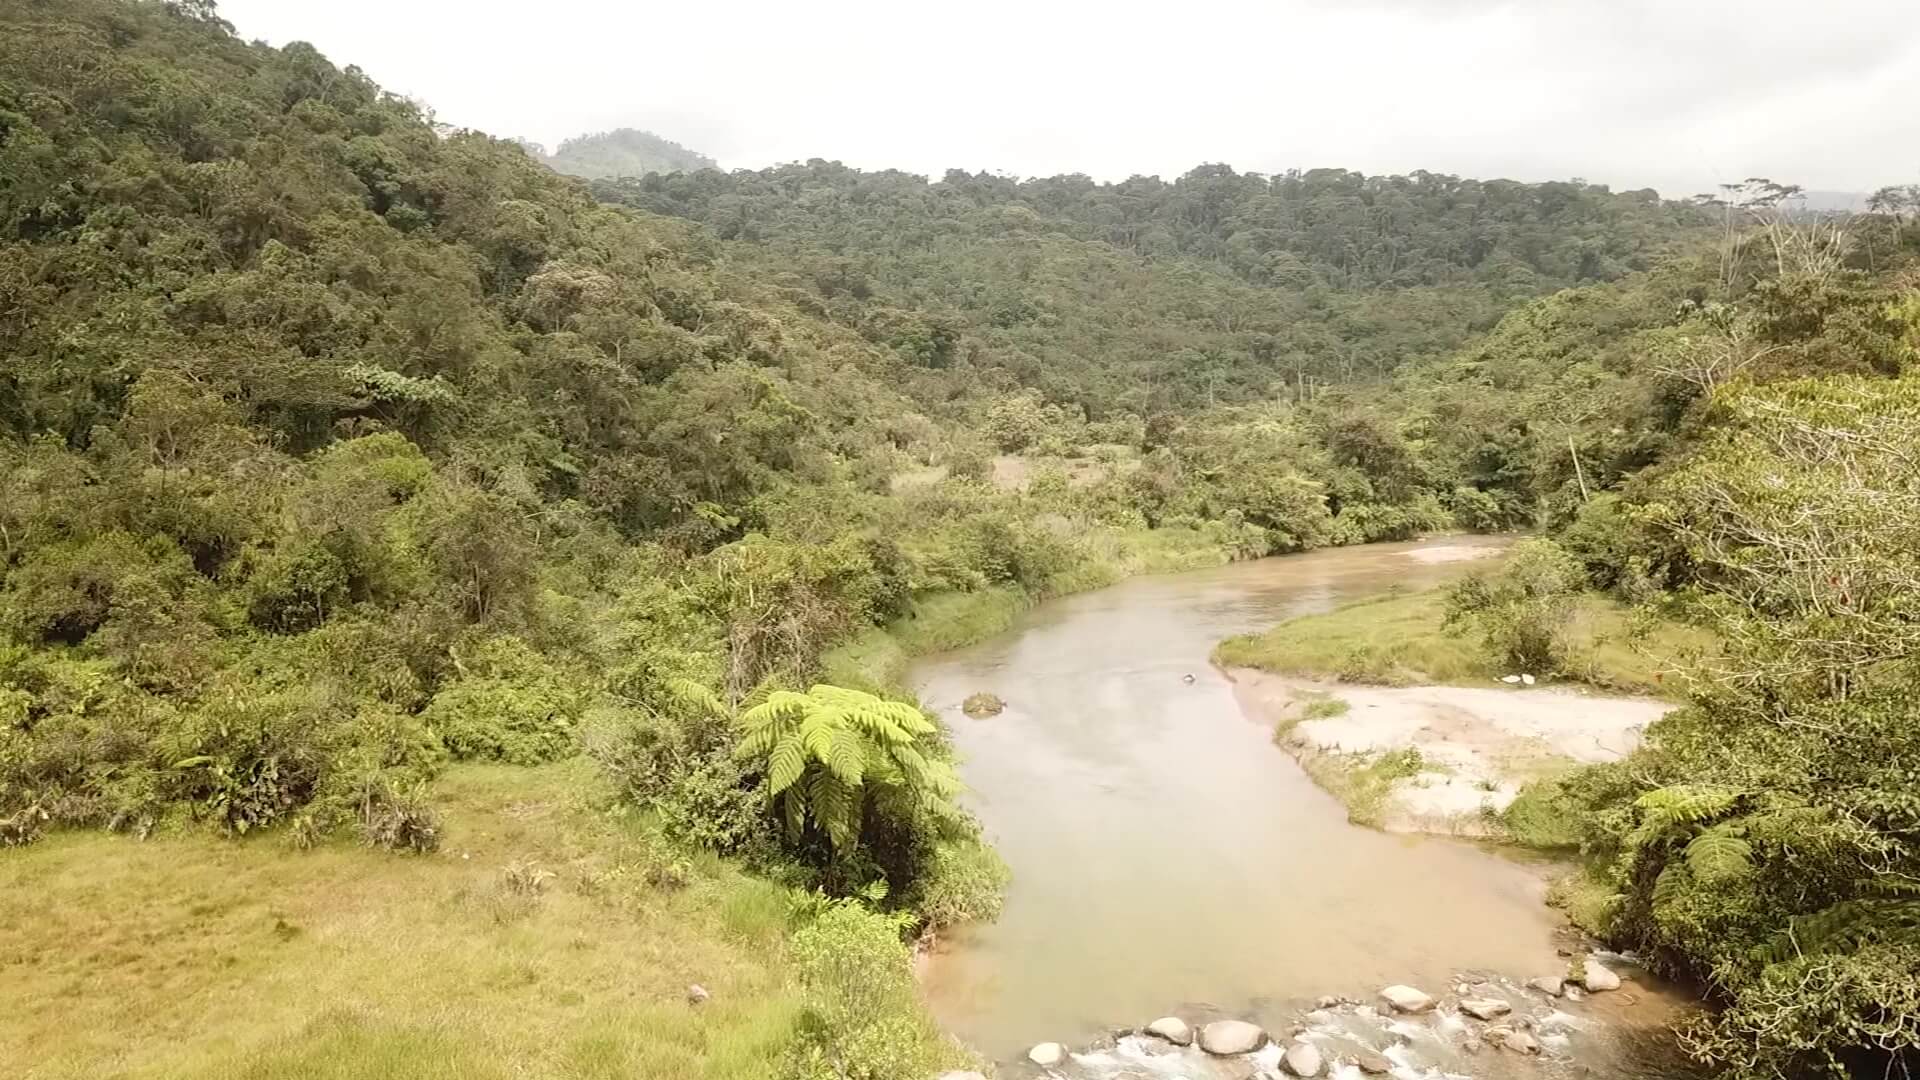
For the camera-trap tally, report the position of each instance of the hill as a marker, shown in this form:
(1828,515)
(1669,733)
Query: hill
(624,152)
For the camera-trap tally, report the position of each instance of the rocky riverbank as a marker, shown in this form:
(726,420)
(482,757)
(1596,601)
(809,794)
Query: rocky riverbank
(1438,759)
(1485,1026)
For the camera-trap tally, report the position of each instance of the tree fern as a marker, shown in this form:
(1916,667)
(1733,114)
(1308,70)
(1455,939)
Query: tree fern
(1843,927)
(824,751)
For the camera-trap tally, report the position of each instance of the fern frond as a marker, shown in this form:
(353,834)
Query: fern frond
(785,764)
(1720,855)
(847,760)
(1843,927)
(1668,809)
(696,695)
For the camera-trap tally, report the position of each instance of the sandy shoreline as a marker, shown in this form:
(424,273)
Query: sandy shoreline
(1477,745)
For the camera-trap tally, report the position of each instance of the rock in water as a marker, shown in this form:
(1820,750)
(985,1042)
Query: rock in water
(1303,1059)
(1485,1008)
(1047,1055)
(697,994)
(1526,680)
(1596,977)
(982,705)
(1173,1029)
(1510,679)
(1498,1034)
(1373,1064)
(1553,985)
(1406,999)
(1231,1037)
(1521,1042)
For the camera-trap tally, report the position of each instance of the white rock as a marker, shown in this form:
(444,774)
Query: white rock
(1173,1029)
(1047,1055)
(1596,977)
(1509,679)
(1406,999)
(697,994)
(1231,1037)
(1497,1035)
(1527,679)
(1553,985)
(1485,1008)
(1303,1059)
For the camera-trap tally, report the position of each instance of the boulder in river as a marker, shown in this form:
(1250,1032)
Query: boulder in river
(1047,1055)
(1373,1063)
(1595,976)
(1523,1042)
(1406,999)
(982,705)
(1173,1029)
(1551,985)
(1485,1008)
(1303,1059)
(1231,1037)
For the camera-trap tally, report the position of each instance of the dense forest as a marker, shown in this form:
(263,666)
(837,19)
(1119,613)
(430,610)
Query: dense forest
(337,448)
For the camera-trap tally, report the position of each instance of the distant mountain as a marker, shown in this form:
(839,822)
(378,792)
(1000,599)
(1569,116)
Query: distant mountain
(622,152)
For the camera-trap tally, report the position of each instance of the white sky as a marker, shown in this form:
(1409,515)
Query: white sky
(1673,94)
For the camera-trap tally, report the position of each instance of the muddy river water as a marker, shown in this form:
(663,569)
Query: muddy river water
(1166,856)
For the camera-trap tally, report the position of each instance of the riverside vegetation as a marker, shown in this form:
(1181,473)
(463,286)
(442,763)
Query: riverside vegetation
(366,482)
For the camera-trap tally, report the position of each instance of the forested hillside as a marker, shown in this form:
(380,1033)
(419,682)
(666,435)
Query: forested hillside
(623,152)
(1147,296)
(336,449)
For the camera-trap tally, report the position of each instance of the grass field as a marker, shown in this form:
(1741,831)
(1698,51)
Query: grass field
(549,937)
(1399,640)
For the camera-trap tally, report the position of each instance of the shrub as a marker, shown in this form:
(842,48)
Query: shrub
(964,881)
(1523,610)
(863,1020)
(510,705)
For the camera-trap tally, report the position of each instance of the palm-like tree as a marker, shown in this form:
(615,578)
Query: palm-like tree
(828,750)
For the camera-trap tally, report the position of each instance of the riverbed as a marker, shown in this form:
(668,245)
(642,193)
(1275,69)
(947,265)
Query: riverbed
(1166,856)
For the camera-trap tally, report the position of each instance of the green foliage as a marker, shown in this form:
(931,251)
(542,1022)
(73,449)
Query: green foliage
(508,703)
(827,749)
(862,1023)
(964,881)
(1523,610)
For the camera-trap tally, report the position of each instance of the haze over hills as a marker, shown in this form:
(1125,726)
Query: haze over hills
(620,152)
(368,487)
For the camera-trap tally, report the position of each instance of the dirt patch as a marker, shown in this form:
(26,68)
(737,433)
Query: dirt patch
(1475,746)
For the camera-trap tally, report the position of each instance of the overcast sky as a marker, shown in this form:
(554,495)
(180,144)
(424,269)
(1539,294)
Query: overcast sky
(1672,94)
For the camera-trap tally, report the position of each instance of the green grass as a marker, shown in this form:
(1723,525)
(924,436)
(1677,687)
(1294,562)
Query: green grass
(1362,782)
(876,659)
(192,956)
(1399,640)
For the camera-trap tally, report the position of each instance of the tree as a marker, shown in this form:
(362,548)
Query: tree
(828,751)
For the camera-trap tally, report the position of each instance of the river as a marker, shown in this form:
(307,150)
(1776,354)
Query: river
(1166,856)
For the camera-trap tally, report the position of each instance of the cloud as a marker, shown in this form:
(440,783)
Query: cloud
(1631,92)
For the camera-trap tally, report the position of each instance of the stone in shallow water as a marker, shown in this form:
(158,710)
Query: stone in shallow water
(1173,1029)
(1372,1063)
(1303,1059)
(1521,1042)
(1231,1037)
(1549,984)
(1596,976)
(1047,1055)
(1485,1008)
(1406,999)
